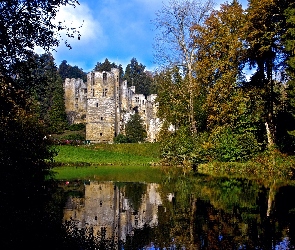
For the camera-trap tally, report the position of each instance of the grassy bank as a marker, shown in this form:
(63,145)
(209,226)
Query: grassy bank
(110,173)
(117,162)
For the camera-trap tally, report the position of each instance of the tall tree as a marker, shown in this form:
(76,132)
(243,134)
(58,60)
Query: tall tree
(265,27)
(46,88)
(135,75)
(27,24)
(174,44)
(221,59)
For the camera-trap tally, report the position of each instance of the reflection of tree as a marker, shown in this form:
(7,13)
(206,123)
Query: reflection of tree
(134,192)
(227,213)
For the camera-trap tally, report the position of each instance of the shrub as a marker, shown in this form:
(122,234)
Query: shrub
(121,139)
(229,145)
(77,127)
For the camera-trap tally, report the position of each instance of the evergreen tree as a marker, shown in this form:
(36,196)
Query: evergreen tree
(67,71)
(135,130)
(107,66)
(135,75)
(46,89)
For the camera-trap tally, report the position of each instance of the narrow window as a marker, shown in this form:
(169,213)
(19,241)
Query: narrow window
(104,92)
(97,105)
(101,118)
(104,77)
(92,92)
(100,134)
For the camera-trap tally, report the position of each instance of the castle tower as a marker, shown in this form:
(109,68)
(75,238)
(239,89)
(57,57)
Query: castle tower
(75,100)
(103,106)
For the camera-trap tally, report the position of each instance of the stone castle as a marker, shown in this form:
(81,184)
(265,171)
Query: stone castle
(105,104)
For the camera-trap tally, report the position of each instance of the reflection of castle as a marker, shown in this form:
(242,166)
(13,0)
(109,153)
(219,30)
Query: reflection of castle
(105,104)
(105,207)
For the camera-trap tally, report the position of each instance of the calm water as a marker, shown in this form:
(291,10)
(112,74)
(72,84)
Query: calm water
(181,213)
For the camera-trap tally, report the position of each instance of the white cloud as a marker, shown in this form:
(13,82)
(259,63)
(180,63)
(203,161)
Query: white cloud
(80,16)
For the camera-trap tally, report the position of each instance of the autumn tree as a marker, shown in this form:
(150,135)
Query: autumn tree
(174,45)
(221,59)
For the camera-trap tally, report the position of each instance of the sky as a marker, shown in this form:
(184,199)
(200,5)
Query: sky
(115,29)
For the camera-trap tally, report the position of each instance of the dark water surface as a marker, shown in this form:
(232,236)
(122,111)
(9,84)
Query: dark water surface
(180,213)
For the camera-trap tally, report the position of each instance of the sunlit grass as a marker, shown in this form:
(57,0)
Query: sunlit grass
(106,154)
(109,173)
(116,162)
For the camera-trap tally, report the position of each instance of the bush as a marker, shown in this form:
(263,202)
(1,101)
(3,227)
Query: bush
(121,139)
(77,127)
(229,145)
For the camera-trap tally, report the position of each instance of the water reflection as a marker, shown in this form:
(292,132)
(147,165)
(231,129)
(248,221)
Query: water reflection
(112,209)
(184,213)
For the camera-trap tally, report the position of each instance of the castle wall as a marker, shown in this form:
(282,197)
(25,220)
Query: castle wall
(75,100)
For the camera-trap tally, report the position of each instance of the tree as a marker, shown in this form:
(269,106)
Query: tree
(107,66)
(221,59)
(265,27)
(174,43)
(46,89)
(67,71)
(27,24)
(135,130)
(172,98)
(135,75)
(25,151)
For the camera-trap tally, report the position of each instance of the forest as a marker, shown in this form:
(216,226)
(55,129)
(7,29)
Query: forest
(226,85)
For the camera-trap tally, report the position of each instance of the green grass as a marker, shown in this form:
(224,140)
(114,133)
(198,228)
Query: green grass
(109,173)
(108,154)
(117,162)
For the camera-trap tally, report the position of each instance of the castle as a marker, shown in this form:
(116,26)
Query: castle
(105,104)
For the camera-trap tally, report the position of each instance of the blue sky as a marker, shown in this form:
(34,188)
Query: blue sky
(115,29)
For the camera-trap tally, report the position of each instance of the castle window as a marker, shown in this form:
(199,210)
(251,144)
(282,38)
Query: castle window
(97,105)
(104,92)
(100,134)
(104,77)
(142,101)
(101,118)
(85,91)
(92,92)
(136,99)
(117,78)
